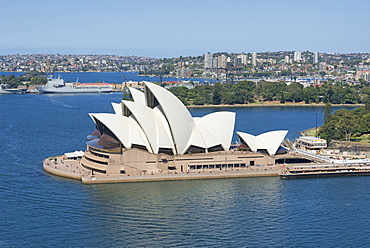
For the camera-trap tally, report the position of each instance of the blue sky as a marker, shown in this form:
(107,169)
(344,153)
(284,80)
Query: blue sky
(172,28)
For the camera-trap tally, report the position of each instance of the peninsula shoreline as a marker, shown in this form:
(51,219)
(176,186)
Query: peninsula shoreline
(273,105)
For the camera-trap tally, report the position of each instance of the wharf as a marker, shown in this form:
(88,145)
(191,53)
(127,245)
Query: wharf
(332,170)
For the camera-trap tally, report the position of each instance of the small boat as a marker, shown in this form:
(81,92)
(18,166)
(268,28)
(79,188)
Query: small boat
(57,85)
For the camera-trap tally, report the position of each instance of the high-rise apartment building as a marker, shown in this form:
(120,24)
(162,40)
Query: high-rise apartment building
(214,63)
(222,61)
(287,59)
(315,57)
(238,62)
(322,66)
(297,56)
(244,58)
(208,60)
(254,59)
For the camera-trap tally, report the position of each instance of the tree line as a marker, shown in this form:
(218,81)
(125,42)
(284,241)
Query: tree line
(344,124)
(245,92)
(33,77)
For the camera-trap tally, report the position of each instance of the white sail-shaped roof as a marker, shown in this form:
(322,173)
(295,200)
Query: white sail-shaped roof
(272,140)
(269,141)
(178,117)
(150,124)
(137,95)
(221,125)
(201,137)
(249,139)
(157,119)
(117,107)
(130,134)
(165,130)
(137,136)
(115,123)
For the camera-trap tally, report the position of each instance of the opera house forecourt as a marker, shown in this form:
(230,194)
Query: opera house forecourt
(155,138)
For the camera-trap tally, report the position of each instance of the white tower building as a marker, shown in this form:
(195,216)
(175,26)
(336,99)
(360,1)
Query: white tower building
(222,61)
(287,59)
(297,56)
(208,60)
(254,59)
(315,57)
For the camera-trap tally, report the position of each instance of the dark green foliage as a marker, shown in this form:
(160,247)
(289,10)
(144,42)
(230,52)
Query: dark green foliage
(38,80)
(270,91)
(327,112)
(248,92)
(293,92)
(30,77)
(240,93)
(216,94)
(343,124)
(367,105)
(310,94)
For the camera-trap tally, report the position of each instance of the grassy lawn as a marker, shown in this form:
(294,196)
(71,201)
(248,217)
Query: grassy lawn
(313,132)
(364,139)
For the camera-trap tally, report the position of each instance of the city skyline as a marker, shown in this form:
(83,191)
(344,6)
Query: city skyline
(170,29)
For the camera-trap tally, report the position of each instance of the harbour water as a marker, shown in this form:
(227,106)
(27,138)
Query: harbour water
(38,209)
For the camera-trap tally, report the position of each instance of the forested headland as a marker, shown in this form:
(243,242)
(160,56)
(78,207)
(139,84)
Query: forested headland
(32,77)
(246,92)
(346,124)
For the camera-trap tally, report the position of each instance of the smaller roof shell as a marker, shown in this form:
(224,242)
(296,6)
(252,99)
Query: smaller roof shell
(269,141)
(138,96)
(130,134)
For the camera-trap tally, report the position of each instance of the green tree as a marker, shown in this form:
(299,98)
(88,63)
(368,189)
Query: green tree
(364,125)
(327,112)
(348,124)
(367,105)
(327,131)
(217,94)
(36,80)
(310,94)
(293,92)
(269,91)
(362,80)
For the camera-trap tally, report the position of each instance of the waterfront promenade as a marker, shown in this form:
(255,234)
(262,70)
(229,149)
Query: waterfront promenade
(267,171)
(73,169)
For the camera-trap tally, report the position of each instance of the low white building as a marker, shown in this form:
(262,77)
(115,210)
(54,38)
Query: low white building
(311,143)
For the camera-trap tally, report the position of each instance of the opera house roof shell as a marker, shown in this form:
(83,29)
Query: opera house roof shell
(269,141)
(157,120)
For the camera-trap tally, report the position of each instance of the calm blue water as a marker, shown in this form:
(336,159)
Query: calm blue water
(38,209)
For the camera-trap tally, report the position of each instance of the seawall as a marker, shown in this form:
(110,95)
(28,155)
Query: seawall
(182,176)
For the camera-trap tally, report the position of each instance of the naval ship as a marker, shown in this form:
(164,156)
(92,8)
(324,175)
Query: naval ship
(57,85)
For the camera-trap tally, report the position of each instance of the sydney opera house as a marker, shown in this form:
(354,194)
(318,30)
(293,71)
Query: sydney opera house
(155,134)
